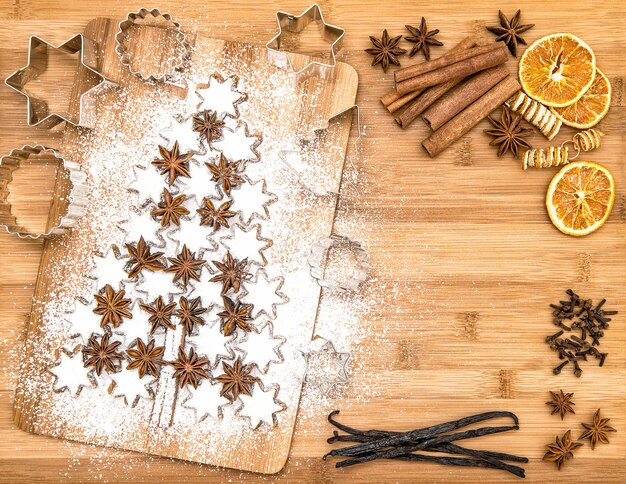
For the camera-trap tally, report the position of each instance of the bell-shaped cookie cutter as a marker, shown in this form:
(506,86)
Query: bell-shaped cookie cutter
(125,58)
(78,200)
(317,263)
(291,23)
(38,113)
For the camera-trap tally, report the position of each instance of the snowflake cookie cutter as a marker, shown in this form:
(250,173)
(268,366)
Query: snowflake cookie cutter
(77,200)
(337,375)
(318,263)
(38,112)
(153,18)
(294,24)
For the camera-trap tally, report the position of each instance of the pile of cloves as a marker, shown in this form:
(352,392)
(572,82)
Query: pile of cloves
(581,316)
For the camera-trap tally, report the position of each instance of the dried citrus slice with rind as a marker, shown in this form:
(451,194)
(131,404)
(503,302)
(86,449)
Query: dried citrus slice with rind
(580,198)
(557,69)
(590,108)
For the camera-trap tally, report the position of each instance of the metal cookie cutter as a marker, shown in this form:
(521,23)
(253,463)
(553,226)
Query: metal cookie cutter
(77,204)
(326,367)
(152,18)
(294,24)
(317,266)
(38,111)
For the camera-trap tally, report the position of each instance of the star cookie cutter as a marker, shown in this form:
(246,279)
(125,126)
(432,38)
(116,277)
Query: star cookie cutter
(153,18)
(38,112)
(318,263)
(334,374)
(77,199)
(291,23)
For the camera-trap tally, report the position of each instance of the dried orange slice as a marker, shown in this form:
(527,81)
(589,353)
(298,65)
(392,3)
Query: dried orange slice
(557,69)
(580,198)
(590,108)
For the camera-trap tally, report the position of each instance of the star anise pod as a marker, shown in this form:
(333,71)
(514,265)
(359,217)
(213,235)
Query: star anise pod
(510,30)
(160,314)
(508,133)
(112,307)
(189,313)
(142,258)
(561,403)
(232,273)
(215,217)
(173,163)
(225,172)
(598,430)
(185,266)
(102,355)
(189,369)
(562,449)
(146,358)
(170,208)
(385,50)
(208,125)
(235,315)
(423,39)
(236,380)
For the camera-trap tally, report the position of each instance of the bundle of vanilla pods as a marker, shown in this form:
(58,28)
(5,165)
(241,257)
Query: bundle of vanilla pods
(418,445)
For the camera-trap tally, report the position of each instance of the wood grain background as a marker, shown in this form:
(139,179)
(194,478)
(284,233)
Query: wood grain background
(464,239)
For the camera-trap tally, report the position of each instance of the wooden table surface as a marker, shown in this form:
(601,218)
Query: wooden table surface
(461,245)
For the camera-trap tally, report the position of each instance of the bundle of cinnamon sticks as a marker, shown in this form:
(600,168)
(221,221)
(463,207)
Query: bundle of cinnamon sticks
(452,93)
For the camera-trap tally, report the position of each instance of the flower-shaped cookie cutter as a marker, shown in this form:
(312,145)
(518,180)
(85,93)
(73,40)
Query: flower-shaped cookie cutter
(38,112)
(152,17)
(318,262)
(77,199)
(291,23)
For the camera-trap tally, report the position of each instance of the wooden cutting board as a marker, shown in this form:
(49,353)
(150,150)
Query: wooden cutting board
(337,92)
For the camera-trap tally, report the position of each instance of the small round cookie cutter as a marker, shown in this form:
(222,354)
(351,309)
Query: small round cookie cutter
(78,192)
(317,263)
(145,16)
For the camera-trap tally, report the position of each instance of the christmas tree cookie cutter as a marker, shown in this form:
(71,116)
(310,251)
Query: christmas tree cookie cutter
(38,112)
(76,205)
(152,18)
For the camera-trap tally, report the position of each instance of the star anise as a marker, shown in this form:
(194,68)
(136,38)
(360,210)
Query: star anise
(423,38)
(189,368)
(225,172)
(598,430)
(160,314)
(236,380)
(562,449)
(189,313)
(385,50)
(146,358)
(235,315)
(510,30)
(508,133)
(561,403)
(173,163)
(170,208)
(142,258)
(185,266)
(112,307)
(208,125)
(232,273)
(215,217)
(102,355)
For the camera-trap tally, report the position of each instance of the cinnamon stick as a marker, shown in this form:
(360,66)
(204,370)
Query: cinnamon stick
(453,71)
(443,61)
(423,102)
(394,101)
(470,116)
(444,109)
